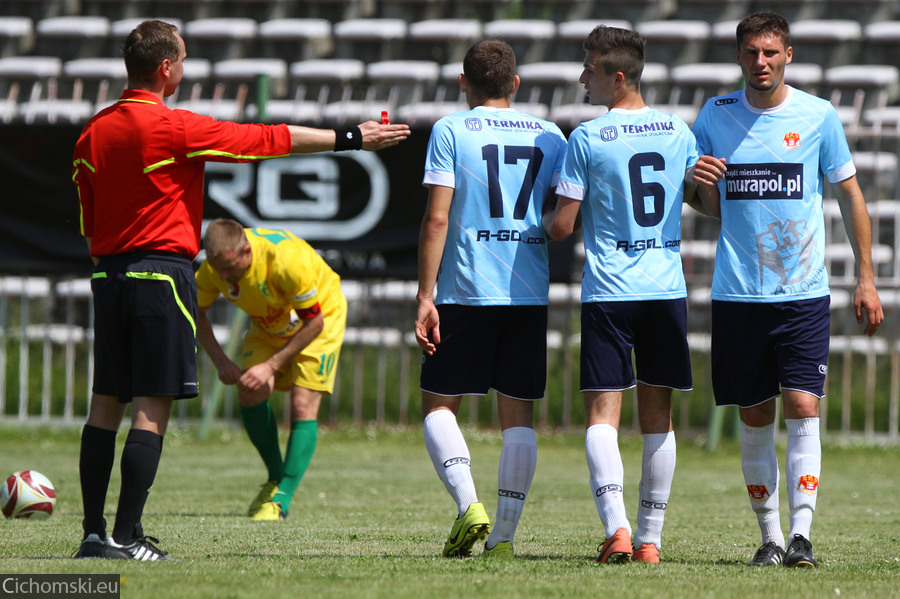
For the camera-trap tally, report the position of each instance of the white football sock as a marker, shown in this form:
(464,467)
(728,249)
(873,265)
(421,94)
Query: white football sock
(601,445)
(518,460)
(657,471)
(802,468)
(450,456)
(760,466)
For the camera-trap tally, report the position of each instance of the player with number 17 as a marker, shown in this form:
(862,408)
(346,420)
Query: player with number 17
(489,171)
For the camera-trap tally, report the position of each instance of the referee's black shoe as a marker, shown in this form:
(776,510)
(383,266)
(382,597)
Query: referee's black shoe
(799,554)
(93,546)
(142,548)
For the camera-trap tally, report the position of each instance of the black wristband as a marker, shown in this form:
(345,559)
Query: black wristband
(347,138)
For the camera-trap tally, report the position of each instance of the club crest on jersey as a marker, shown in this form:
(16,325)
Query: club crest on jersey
(791,141)
(608,133)
(758,493)
(473,124)
(809,484)
(234,290)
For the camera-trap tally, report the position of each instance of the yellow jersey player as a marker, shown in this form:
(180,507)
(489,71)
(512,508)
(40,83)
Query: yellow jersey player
(298,316)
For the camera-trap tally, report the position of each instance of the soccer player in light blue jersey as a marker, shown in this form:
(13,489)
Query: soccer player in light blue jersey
(483,284)
(625,172)
(767,149)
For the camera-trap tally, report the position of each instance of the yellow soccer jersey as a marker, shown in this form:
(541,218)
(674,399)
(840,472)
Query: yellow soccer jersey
(286,274)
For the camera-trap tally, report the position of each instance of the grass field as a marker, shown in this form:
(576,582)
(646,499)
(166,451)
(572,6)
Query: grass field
(371,516)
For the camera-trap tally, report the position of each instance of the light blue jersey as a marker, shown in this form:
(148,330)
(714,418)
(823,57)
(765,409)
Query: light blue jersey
(501,164)
(627,169)
(772,241)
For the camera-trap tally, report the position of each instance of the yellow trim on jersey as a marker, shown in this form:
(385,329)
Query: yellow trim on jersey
(230,155)
(159,164)
(136,100)
(98,275)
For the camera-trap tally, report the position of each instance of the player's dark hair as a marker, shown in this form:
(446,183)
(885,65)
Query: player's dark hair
(764,23)
(618,50)
(490,68)
(147,46)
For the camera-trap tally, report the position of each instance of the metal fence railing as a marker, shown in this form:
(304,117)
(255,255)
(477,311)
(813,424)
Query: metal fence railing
(46,365)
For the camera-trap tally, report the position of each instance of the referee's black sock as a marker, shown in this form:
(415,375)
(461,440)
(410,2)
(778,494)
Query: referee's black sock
(95,462)
(140,460)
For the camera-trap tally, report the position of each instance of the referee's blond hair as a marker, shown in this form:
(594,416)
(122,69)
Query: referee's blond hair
(224,235)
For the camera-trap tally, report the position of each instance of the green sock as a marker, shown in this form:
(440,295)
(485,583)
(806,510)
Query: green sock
(259,420)
(300,449)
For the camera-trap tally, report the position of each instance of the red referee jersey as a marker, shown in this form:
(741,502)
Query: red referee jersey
(138,169)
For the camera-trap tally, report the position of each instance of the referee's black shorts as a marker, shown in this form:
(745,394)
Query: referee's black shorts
(145,331)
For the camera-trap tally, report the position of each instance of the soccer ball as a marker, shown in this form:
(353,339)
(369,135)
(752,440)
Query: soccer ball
(27,494)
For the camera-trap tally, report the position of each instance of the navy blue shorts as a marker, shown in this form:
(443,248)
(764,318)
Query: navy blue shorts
(489,347)
(760,348)
(145,315)
(655,330)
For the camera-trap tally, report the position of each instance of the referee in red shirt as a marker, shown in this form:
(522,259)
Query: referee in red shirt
(138,169)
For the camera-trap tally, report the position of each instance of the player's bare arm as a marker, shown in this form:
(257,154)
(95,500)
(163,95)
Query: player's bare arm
(228,372)
(567,217)
(373,136)
(258,375)
(866,302)
(701,190)
(432,238)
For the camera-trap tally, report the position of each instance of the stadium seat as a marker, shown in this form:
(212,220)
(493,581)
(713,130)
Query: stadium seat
(674,42)
(695,83)
(260,10)
(879,83)
(805,76)
(793,10)
(267,76)
(482,10)
(187,10)
(877,174)
(712,11)
(56,111)
(327,80)
(442,40)
(220,38)
(882,43)
(654,82)
(828,42)
(390,83)
(335,10)
(556,10)
(16,36)
(448,83)
(295,39)
(99,80)
(634,11)
(371,39)
(115,9)
(864,11)
(569,116)
(428,113)
(530,39)
(550,83)
(883,119)
(414,10)
(570,36)
(39,9)
(72,37)
(722,45)
(26,78)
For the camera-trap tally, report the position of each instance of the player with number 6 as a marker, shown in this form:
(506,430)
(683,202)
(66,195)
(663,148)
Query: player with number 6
(625,172)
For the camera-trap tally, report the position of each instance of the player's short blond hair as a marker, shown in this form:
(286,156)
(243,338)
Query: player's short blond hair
(224,235)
